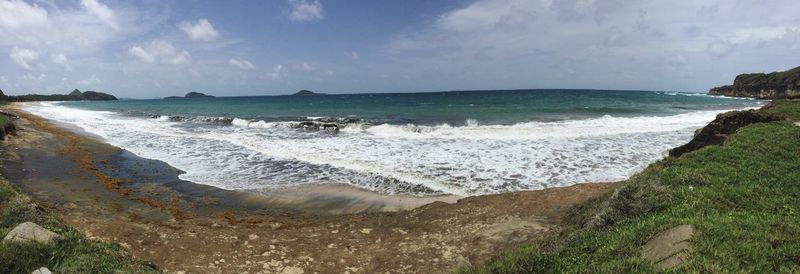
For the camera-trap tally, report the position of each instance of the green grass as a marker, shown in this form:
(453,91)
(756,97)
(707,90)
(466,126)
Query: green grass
(743,197)
(74,254)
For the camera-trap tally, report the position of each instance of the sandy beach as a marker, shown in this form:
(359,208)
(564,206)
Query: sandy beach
(113,195)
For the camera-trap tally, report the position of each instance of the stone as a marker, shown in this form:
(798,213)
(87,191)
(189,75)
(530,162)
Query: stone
(670,247)
(43,270)
(29,231)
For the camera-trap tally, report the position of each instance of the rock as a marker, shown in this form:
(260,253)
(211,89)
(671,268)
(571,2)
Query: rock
(28,231)
(670,247)
(43,270)
(725,124)
(775,85)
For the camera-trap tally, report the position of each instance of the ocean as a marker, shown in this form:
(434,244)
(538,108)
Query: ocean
(459,142)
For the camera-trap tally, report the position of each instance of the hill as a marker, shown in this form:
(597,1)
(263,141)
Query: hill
(775,85)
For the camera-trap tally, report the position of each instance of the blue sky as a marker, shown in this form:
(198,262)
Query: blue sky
(147,49)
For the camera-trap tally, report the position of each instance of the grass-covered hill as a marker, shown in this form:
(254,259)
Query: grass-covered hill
(742,198)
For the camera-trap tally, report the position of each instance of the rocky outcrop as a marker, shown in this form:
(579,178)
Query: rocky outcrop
(29,231)
(670,247)
(775,85)
(716,131)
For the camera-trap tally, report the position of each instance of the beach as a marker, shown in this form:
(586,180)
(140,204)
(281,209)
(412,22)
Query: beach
(113,195)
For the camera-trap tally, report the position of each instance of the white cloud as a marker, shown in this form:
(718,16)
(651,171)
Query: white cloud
(353,54)
(242,64)
(201,30)
(60,59)
(91,81)
(305,67)
(160,51)
(611,43)
(720,48)
(303,10)
(25,58)
(277,72)
(18,14)
(105,14)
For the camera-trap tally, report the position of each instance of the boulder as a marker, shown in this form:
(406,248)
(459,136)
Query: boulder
(43,270)
(670,247)
(29,231)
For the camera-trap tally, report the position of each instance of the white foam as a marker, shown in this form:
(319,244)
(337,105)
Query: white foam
(464,160)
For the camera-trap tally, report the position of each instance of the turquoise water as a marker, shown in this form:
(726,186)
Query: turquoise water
(464,143)
(455,108)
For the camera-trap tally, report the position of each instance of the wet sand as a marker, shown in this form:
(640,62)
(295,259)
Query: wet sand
(114,195)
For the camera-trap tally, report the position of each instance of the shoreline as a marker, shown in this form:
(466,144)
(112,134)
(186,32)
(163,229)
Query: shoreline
(312,199)
(180,226)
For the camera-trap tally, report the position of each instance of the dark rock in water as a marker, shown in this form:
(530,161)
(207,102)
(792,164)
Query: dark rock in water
(775,85)
(197,95)
(725,124)
(306,93)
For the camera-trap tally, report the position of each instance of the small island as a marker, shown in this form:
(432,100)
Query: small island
(191,95)
(306,93)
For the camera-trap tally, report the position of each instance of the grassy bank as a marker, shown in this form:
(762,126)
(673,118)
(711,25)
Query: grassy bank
(73,254)
(743,197)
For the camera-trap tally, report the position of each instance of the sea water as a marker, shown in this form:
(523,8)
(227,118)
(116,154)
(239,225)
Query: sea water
(460,142)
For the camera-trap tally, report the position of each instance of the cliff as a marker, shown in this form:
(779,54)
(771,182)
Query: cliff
(775,85)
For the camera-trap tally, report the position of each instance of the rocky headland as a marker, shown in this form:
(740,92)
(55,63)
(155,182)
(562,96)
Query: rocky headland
(75,95)
(774,85)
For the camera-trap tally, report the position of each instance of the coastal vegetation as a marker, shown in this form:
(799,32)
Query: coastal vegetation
(742,197)
(75,95)
(774,85)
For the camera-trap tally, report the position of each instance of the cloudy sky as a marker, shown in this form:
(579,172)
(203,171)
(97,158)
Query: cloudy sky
(150,48)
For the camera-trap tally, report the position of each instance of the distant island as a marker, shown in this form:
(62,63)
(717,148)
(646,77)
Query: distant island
(191,95)
(775,85)
(306,93)
(75,95)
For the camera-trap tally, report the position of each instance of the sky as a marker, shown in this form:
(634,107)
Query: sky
(149,48)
